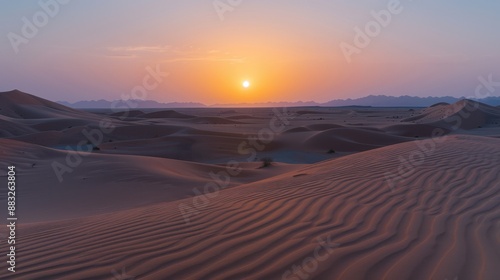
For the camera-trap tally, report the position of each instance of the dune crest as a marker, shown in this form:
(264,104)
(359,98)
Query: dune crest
(464,114)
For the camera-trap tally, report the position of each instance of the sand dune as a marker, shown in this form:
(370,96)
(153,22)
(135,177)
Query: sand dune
(129,113)
(342,139)
(313,127)
(20,105)
(202,148)
(242,117)
(414,130)
(10,128)
(109,182)
(166,114)
(213,120)
(465,114)
(351,140)
(323,126)
(318,111)
(133,131)
(25,117)
(439,222)
(439,104)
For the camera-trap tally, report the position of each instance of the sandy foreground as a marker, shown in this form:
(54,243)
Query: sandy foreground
(352,193)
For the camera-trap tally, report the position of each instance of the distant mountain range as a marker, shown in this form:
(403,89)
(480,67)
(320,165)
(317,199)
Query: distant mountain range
(270,104)
(371,100)
(105,104)
(403,101)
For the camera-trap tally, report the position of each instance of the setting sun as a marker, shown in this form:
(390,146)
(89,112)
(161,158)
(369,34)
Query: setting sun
(246,84)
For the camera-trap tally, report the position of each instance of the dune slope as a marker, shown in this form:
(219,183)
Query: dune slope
(20,105)
(439,221)
(464,114)
(103,183)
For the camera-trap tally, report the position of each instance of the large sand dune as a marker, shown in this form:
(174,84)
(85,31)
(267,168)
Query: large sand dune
(17,104)
(440,222)
(465,114)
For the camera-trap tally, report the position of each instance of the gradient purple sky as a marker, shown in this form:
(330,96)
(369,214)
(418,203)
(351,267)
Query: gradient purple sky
(288,49)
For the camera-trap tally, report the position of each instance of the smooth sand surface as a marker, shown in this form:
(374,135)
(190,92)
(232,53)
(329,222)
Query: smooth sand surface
(353,193)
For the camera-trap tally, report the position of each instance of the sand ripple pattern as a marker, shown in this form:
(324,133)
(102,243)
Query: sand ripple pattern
(441,222)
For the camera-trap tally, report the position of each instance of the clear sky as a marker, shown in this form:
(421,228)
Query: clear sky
(288,50)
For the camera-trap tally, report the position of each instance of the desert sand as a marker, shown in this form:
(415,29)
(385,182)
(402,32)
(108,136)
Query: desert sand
(352,192)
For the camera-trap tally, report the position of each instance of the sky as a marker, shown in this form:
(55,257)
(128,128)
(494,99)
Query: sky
(287,50)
